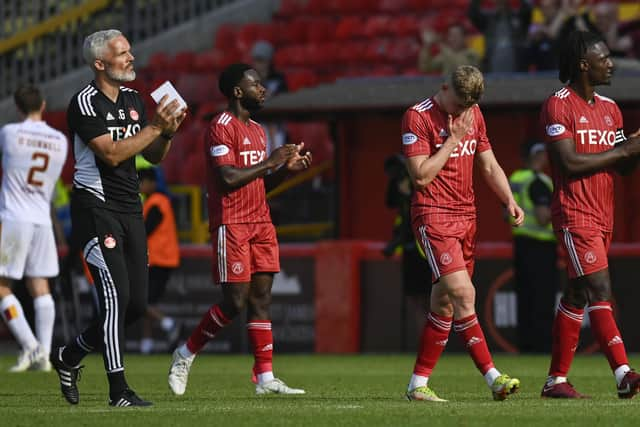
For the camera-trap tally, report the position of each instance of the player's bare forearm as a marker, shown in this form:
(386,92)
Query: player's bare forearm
(157,150)
(424,169)
(234,178)
(115,152)
(572,163)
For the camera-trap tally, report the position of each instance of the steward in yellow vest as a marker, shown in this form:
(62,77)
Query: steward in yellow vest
(534,250)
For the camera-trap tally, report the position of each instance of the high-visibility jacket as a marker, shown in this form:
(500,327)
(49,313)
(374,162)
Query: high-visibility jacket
(520,182)
(162,243)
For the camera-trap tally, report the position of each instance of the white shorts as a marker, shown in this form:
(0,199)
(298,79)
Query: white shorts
(27,249)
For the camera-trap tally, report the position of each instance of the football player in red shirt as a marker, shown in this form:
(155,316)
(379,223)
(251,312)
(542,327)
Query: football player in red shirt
(586,145)
(245,248)
(443,137)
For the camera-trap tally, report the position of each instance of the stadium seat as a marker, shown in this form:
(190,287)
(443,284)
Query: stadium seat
(377,26)
(349,27)
(183,61)
(225,37)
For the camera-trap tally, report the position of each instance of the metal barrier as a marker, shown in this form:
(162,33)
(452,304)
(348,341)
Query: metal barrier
(39,43)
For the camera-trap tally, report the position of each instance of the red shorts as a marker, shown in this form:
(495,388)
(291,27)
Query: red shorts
(240,250)
(586,249)
(448,246)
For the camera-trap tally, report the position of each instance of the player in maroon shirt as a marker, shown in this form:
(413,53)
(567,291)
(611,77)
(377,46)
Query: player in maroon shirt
(586,144)
(443,137)
(245,249)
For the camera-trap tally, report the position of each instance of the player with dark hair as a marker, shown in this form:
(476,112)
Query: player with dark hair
(586,143)
(443,137)
(33,154)
(109,127)
(245,248)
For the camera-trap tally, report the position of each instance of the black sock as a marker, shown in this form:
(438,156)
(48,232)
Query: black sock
(117,384)
(73,354)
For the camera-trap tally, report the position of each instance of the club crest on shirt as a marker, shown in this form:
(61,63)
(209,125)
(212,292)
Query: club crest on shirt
(445,258)
(608,120)
(590,257)
(133,114)
(237,268)
(109,241)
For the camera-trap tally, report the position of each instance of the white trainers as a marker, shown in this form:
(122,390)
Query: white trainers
(277,386)
(179,372)
(34,359)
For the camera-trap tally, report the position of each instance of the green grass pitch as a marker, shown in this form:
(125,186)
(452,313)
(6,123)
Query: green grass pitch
(359,390)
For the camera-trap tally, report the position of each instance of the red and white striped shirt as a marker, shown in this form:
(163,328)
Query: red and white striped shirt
(449,197)
(584,201)
(228,141)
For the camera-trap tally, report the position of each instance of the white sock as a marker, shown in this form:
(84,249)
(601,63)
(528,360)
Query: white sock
(491,376)
(556,380)
(146,345)
(45,313)
(167,323)
(184,351)
(620,372)
(417,381)
(265,377)
(13,316)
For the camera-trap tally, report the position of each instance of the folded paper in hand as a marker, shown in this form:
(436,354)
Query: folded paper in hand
(167,88)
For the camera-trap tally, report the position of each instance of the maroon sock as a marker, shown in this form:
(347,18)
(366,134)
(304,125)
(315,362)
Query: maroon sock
(434,339)
(212,321)
(605,330)
(471,333)
(565,332)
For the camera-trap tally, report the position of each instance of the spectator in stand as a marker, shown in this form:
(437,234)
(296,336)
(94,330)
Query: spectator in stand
(606,22)
(576,18)
(453,52)
(505,32)
(262,61)
(274,83)
(542,50)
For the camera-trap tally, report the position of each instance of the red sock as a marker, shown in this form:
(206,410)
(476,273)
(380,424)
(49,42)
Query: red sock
(212,321)
(605,330)
(262,341)
(565,332)
(434,338)
(471,333)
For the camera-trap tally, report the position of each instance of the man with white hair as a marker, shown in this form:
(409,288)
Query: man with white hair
(109,127)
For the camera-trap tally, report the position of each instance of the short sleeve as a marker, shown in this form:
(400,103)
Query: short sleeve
(617,114)
(85,121)
(416,139)
(221,146)
(481,130)
(556,123)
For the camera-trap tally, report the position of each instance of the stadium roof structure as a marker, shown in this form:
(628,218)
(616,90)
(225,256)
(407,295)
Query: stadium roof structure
(398,93)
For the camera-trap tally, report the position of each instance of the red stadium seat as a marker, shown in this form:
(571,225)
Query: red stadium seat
(225,37)
(300,79)
(183,61)
(349,27)
(377,26)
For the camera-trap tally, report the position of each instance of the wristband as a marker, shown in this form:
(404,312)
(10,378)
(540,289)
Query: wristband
(167,136)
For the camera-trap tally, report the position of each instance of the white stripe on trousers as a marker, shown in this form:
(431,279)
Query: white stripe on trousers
(429,252)
(93,255)
(571,250)
(110,326)
(222,253)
